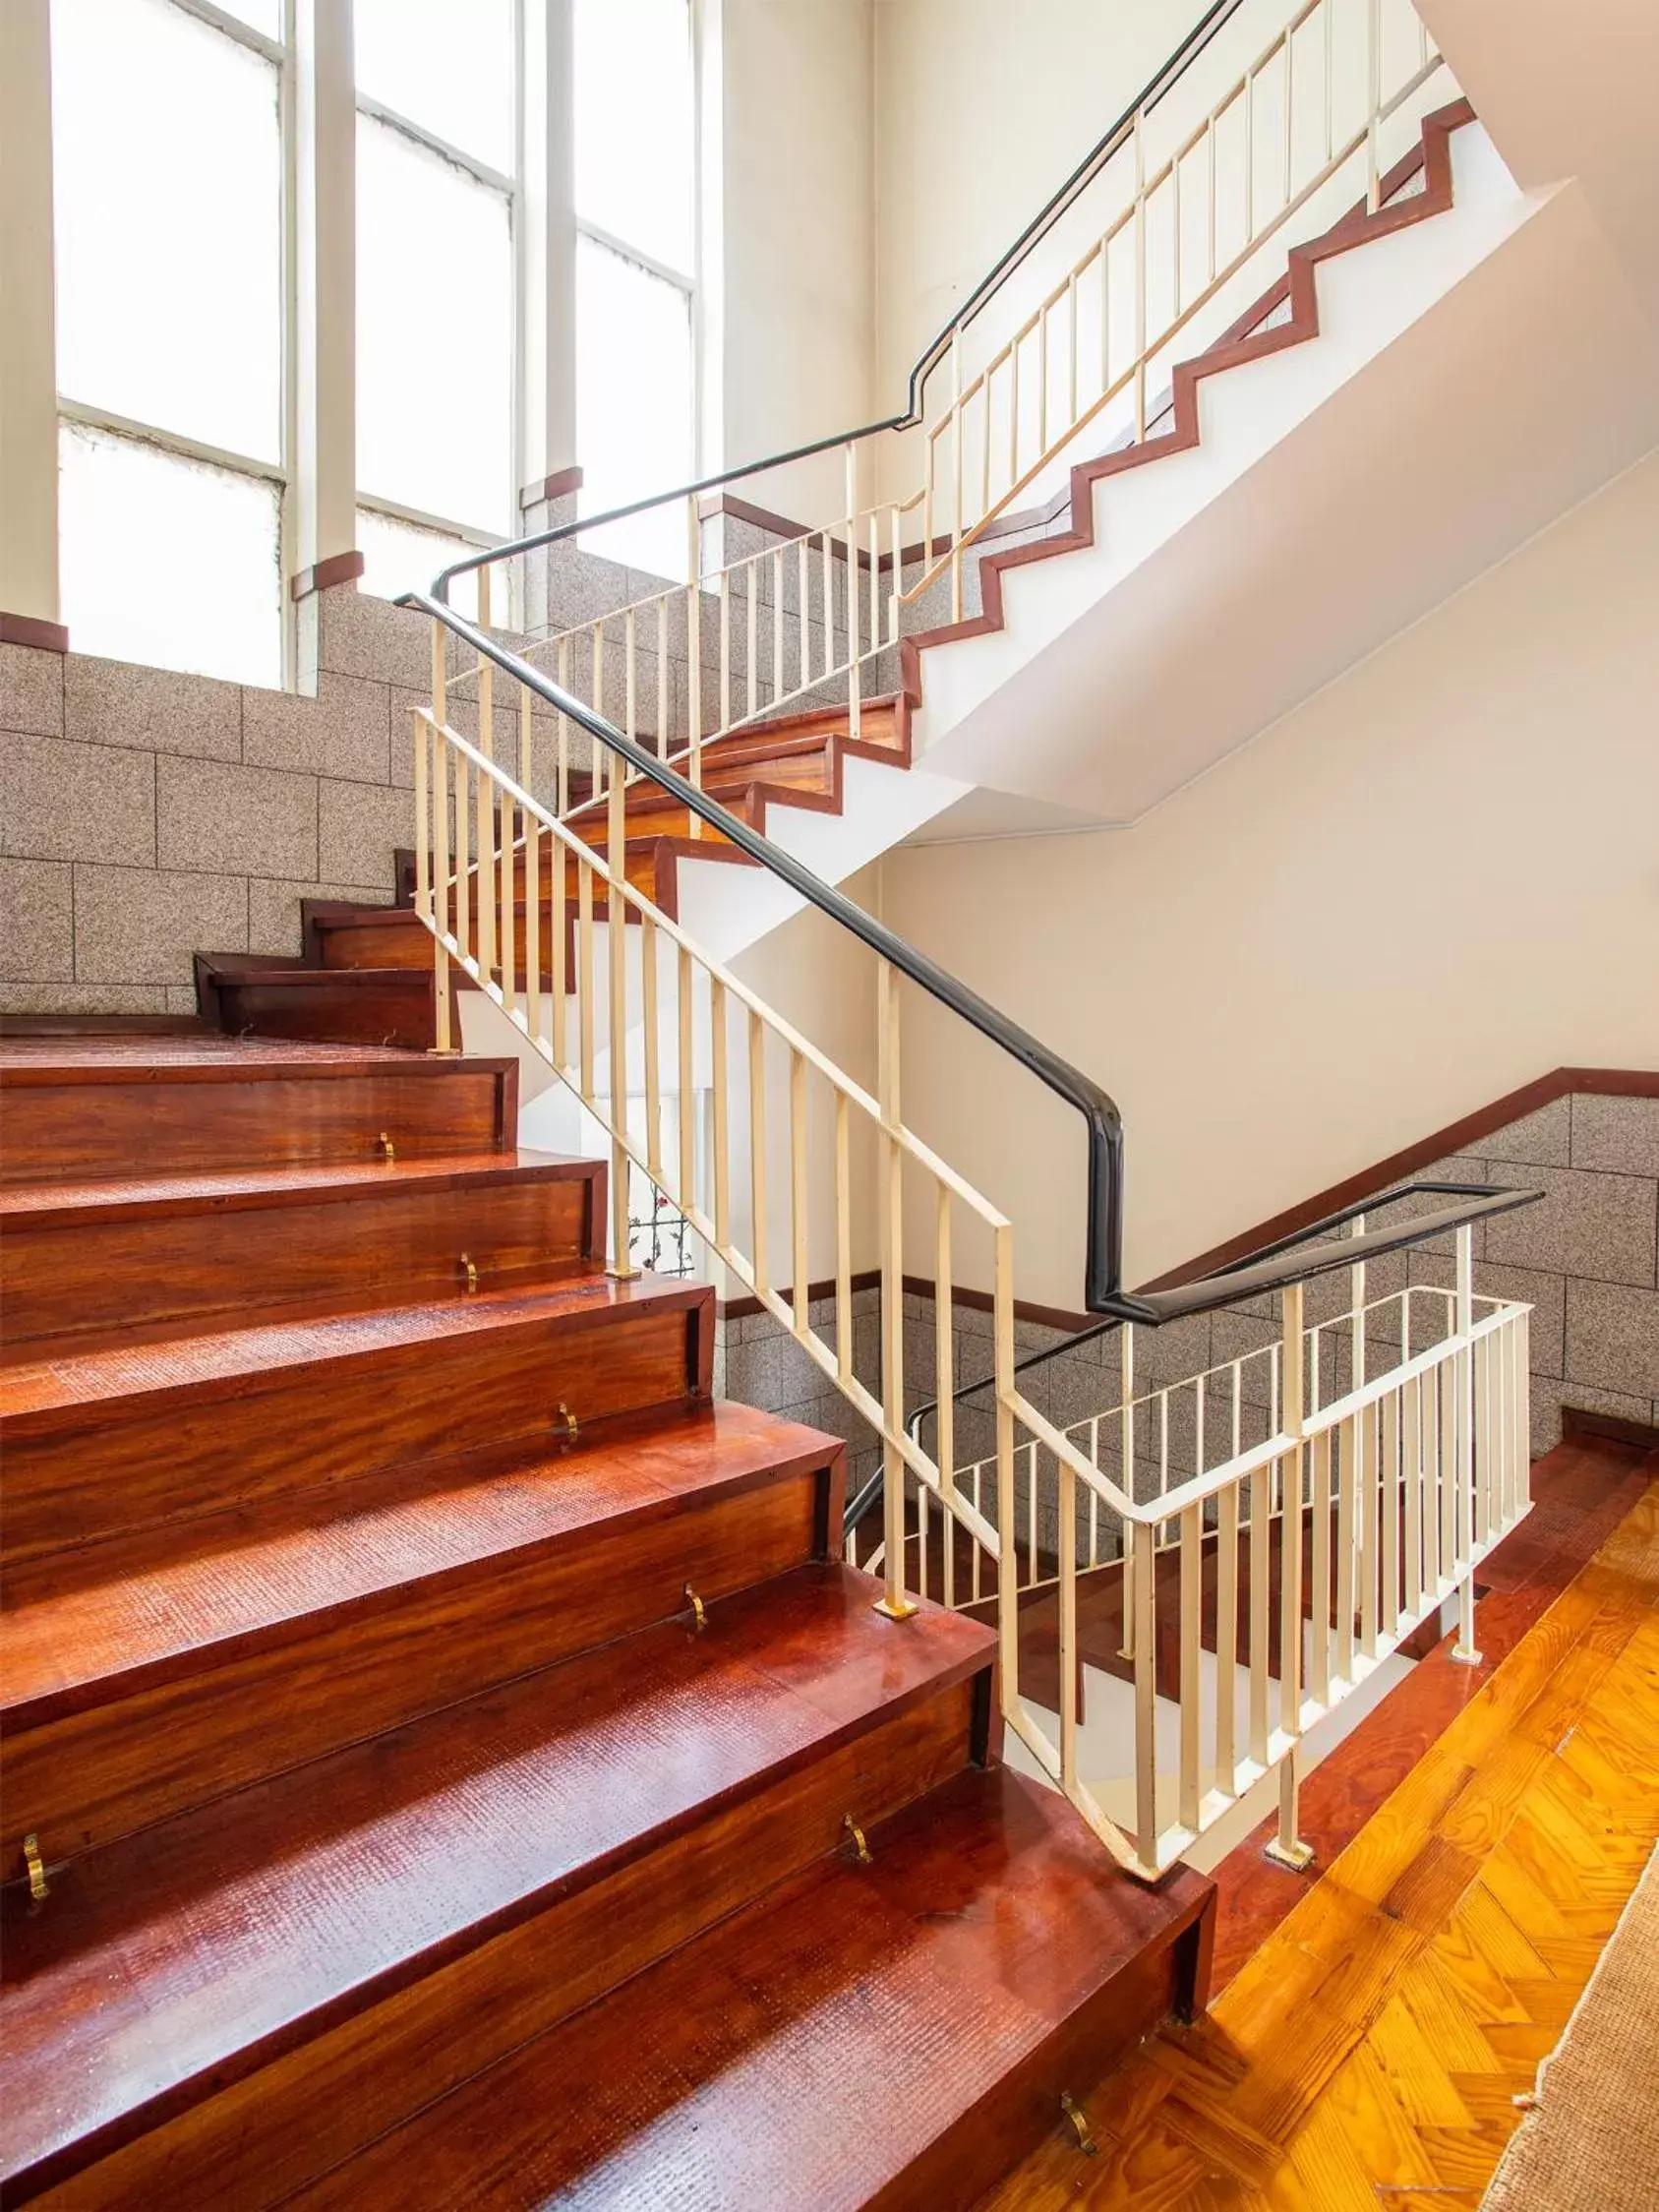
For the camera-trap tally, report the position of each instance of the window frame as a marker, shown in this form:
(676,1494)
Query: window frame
(85,415)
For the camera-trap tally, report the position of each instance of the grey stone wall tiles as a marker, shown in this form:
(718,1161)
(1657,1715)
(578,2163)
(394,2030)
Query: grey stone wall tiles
(152,709)
(1617,1134)
(218,818)
(69,802)
(36,922)
(1613,1337)
(141,925)
(1590,1223)
(32,691)
(359,827)
(345,730)
(273,908)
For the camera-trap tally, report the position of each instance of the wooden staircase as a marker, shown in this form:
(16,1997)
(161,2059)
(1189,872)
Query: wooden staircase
(366,972)
(446,1760)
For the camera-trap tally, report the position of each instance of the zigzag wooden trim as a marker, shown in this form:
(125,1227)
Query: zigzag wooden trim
(1244,341)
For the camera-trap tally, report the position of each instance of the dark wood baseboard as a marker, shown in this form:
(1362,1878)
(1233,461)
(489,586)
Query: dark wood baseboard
(1579,1421)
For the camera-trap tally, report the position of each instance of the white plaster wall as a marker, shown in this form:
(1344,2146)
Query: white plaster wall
(792,357)
(1431,882)
(981,111)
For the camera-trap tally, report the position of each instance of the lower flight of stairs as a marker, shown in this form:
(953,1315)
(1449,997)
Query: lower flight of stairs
(458,1766)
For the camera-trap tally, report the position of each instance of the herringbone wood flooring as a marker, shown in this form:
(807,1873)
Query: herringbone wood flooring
(1369,2054)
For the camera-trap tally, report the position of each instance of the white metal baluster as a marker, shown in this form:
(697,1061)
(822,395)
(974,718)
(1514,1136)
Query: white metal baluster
(752,688)
(799,1303)
(1465,1648)
(778,684)
(1347,1515)
(1288,1846)
(854,672)
(1226,1614)
(719,1046)
(804,602)
(945,1380)
(1370,1520)
(684,1007)
(894,1602)
(1191,1685)
(1126,1402)
(758,1150)
(1320,1598)
(1411,1448)
(694,653)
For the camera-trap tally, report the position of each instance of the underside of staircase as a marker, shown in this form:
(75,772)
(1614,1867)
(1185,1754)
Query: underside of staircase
(447,1759)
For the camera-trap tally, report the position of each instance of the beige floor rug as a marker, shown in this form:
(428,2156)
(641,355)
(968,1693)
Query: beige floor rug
(1591,2141)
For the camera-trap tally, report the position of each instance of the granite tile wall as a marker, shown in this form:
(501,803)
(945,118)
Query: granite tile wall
(149,816)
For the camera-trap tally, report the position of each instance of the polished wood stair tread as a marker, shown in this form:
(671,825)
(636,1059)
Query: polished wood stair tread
(182,1956)
(105,1620)
(831,2046)
(36,1396)
(204,1056)
(234,1189)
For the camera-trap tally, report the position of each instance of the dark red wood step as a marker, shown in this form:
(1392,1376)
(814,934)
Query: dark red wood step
(897,2034)
(181,1251)
(175,1962)
(102,1441)
(361,1005)
(92,1107)
(157,1670)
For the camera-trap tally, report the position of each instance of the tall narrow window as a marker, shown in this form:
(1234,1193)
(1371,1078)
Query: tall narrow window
(636,260)
(168,189)
(436,191)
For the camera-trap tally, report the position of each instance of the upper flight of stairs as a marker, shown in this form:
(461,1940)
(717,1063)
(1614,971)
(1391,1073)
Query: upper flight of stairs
(975,707)
(438,1722)
(367,971)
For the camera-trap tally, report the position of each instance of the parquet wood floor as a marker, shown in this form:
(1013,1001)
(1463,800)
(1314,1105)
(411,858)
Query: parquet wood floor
(1370,2051)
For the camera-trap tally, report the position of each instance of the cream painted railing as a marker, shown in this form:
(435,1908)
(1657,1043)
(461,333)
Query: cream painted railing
(1402,1483)
(1181,213)
(567,983)
(1254,1595)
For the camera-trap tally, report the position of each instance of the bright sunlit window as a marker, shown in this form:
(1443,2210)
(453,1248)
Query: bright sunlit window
(635,254)
(167,561)
(434,334)
(634,404)
(169,324)
(445,66)
(633,124)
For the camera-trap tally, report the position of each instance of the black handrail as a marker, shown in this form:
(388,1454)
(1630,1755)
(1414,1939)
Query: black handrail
(1104,1260)
(1249,1277)
(1041,225)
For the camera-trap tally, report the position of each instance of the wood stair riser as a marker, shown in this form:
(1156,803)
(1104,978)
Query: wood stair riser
(396,1007)
(68,1274)
(70,1129)
(325,2097)
(222,1718)
(1019,2110)
(101,1467)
